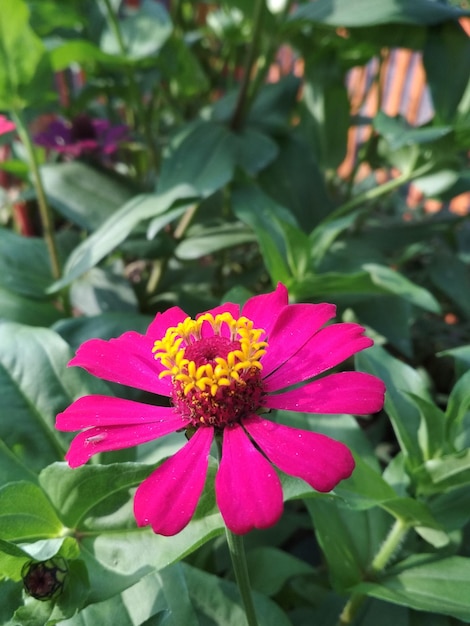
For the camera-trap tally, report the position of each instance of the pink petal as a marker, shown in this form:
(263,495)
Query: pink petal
(293,327)
(328,347)
(109,411)
(264,309)
(320,461)
(170,318)
(168,498)
(248,490)
(347,392)
(127,360)
(105,438)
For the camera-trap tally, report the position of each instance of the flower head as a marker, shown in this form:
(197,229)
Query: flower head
(82,135)
(222,371)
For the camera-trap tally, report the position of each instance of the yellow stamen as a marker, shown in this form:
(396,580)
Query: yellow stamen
(170,351)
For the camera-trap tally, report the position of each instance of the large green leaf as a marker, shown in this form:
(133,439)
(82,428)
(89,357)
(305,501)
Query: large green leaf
(445,59)
(396,283)
(27,310)
(438,586)
(266,218)
(295,180)
(24,264)
(372,12)
(35,385)
(201,242)
(348,539)
(178,595)
(26,513)
(400,380)
(75,492)
(24,68)
(203,156)
(115,230)
(83,194)
(459,403)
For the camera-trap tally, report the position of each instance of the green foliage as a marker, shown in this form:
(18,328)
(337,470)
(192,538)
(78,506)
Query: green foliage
(228,182)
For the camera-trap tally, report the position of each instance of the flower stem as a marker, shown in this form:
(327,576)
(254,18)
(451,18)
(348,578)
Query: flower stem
(379,562)
(238,556)
(44,210)
(381,190)
(242,101)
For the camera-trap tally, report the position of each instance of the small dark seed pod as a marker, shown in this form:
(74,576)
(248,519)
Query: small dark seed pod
(44,580)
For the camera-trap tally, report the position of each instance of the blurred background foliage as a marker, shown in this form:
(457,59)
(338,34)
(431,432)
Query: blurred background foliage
(187,153)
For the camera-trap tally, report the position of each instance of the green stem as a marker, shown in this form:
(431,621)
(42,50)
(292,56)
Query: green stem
(238,556)
(47,222)
(381,190)
(379,563)
(242,101)
(134,91)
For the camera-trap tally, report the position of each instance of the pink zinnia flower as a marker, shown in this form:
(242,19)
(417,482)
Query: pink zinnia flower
(82,135)
(221,371)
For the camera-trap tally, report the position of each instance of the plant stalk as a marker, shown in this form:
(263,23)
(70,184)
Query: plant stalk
(242,100)
(379,563)
(238,556)
(377,192)
(44,209)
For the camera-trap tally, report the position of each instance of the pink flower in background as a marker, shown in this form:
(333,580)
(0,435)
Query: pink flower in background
(82,135)
(222,371)
(6,126)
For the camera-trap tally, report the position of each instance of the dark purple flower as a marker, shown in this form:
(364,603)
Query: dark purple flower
(82,135)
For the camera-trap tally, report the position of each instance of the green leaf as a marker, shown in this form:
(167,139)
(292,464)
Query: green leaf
(181,68)
(178,595)
(82,194)
(27,310)
(451,276)
(447,71)
(203,156)
(450,471)
(371,12)
(26,513)
(398,133)
(348,539)
(83,52)
(256,150)
(115,230)
(24,67)
(76,330)
(458,403)
(326,100)
(13,557)
(102,290)
(195,246)
(423,584)
(35,385)
(400,380)
(75,492)
(394,282)
(270,569)
(295,180)
(432,431)
(323,235)
(265,217)
(11,468)
(24,264)
(143,32)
